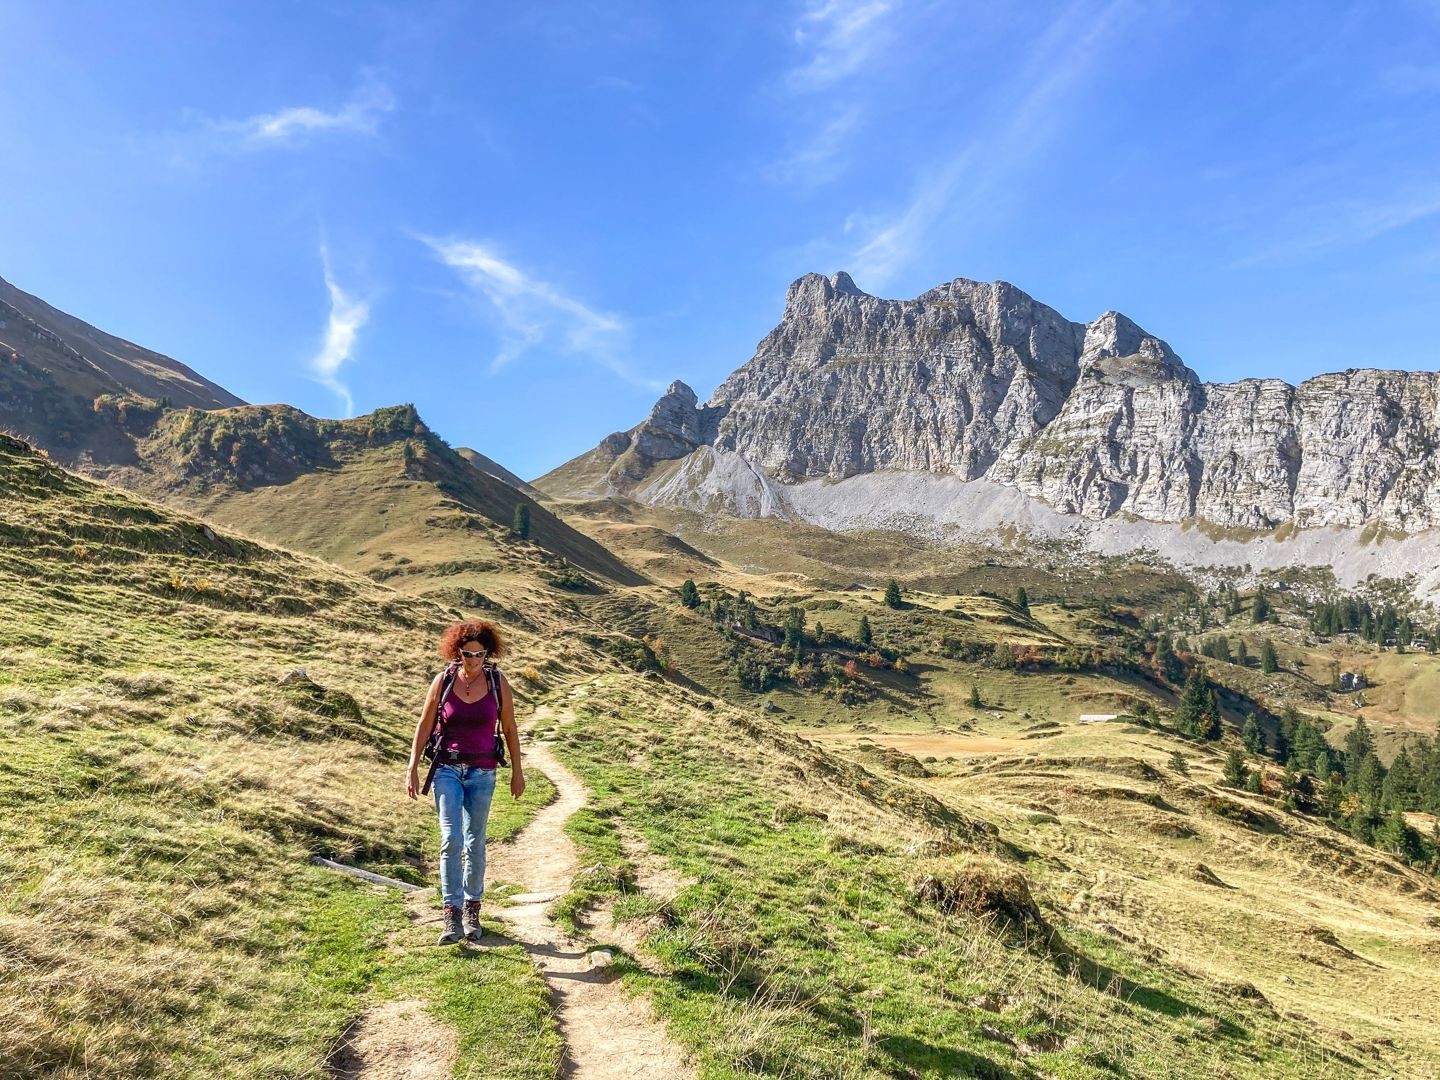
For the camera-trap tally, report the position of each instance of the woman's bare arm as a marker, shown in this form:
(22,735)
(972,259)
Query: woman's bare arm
(422,735)
(512,738)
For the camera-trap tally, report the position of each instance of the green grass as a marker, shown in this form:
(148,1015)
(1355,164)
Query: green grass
(162,794)
(495,999)
(160,789)
(803,950)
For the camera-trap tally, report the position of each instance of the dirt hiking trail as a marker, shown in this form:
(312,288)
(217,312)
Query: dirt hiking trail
(395,1040)
(608,1034)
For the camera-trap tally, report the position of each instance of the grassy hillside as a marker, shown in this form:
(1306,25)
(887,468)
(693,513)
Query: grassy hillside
(898,849)
(165,786)
(1058,912)
(78,390)
(380,494)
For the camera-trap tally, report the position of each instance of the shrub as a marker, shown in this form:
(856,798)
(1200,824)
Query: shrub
(566,577)
(976,884)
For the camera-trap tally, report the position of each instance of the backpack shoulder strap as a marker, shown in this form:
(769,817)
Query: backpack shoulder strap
(493,674)
(447,680)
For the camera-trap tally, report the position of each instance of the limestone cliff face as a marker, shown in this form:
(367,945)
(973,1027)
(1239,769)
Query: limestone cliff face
(979,381)
(850,383)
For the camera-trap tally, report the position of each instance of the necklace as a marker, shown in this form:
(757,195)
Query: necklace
(467,683)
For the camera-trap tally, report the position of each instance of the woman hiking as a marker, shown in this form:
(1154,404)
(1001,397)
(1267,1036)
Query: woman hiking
(471,704)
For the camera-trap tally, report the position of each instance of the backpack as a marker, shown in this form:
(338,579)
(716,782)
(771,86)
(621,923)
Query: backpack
(437,732)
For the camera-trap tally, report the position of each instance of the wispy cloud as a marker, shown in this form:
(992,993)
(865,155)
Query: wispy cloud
(531,312)
(838,37)
(360,115)
(1332,225)
(815,159)
(348,316)
(836,43)
(1030,109)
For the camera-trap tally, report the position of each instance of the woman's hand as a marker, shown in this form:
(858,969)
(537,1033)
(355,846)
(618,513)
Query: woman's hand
(412,781)
(517,783)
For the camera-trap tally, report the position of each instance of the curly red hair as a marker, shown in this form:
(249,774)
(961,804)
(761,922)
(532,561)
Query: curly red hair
(479,630)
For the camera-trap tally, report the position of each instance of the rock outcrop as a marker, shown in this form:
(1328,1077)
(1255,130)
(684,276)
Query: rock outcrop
(980,381)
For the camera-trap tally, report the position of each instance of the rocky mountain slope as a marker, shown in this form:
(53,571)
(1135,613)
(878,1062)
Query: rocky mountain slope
(979,381)
(973,412)
(348,490)
(74,389)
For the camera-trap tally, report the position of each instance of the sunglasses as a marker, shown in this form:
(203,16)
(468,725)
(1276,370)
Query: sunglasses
(472,655)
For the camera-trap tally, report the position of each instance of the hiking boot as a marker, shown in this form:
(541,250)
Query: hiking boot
(452,932)
(473,930)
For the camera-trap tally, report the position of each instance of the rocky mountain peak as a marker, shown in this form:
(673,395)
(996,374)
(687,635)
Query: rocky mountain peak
(815,290)
(1117,347)
(677,413)
(977,380)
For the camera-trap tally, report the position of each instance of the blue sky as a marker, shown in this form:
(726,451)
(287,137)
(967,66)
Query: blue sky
(528,219)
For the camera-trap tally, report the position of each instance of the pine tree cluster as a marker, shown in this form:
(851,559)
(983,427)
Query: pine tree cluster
(1380,626)
(1354,790)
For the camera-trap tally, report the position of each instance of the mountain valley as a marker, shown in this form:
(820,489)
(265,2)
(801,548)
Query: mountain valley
(955,758)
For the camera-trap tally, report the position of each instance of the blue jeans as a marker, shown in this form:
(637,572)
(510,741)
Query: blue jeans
(462,796)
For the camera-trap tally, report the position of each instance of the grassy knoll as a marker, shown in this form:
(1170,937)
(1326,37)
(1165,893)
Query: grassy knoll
(162,791)
(380,493)
(843,922)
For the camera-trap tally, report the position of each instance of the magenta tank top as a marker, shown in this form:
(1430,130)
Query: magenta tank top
(470,727)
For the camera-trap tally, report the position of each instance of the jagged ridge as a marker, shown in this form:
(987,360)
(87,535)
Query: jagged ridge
(980,381)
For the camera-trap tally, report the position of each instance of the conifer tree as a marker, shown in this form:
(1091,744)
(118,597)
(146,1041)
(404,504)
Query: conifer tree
(866,636)
(1398,792)
(689,594)
(1332,794)
(1358,743)
(1397,837)
(1254,782)
(1194,702)
(1252,736)
(1166,660)
(1306,744)
(975,702)
(1242,653)
(1361,826)
(1209,726)
(1369,778)
(1269,662)
(1178,764)
(892,595)
(1234,768)
(1022,599)
(794,627)
(520,523)
(1260,612)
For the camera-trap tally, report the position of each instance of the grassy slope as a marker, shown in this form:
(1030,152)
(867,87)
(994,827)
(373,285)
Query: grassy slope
(1332,931)
(802,948)
(162,794)
(1093,852)
(349,490)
